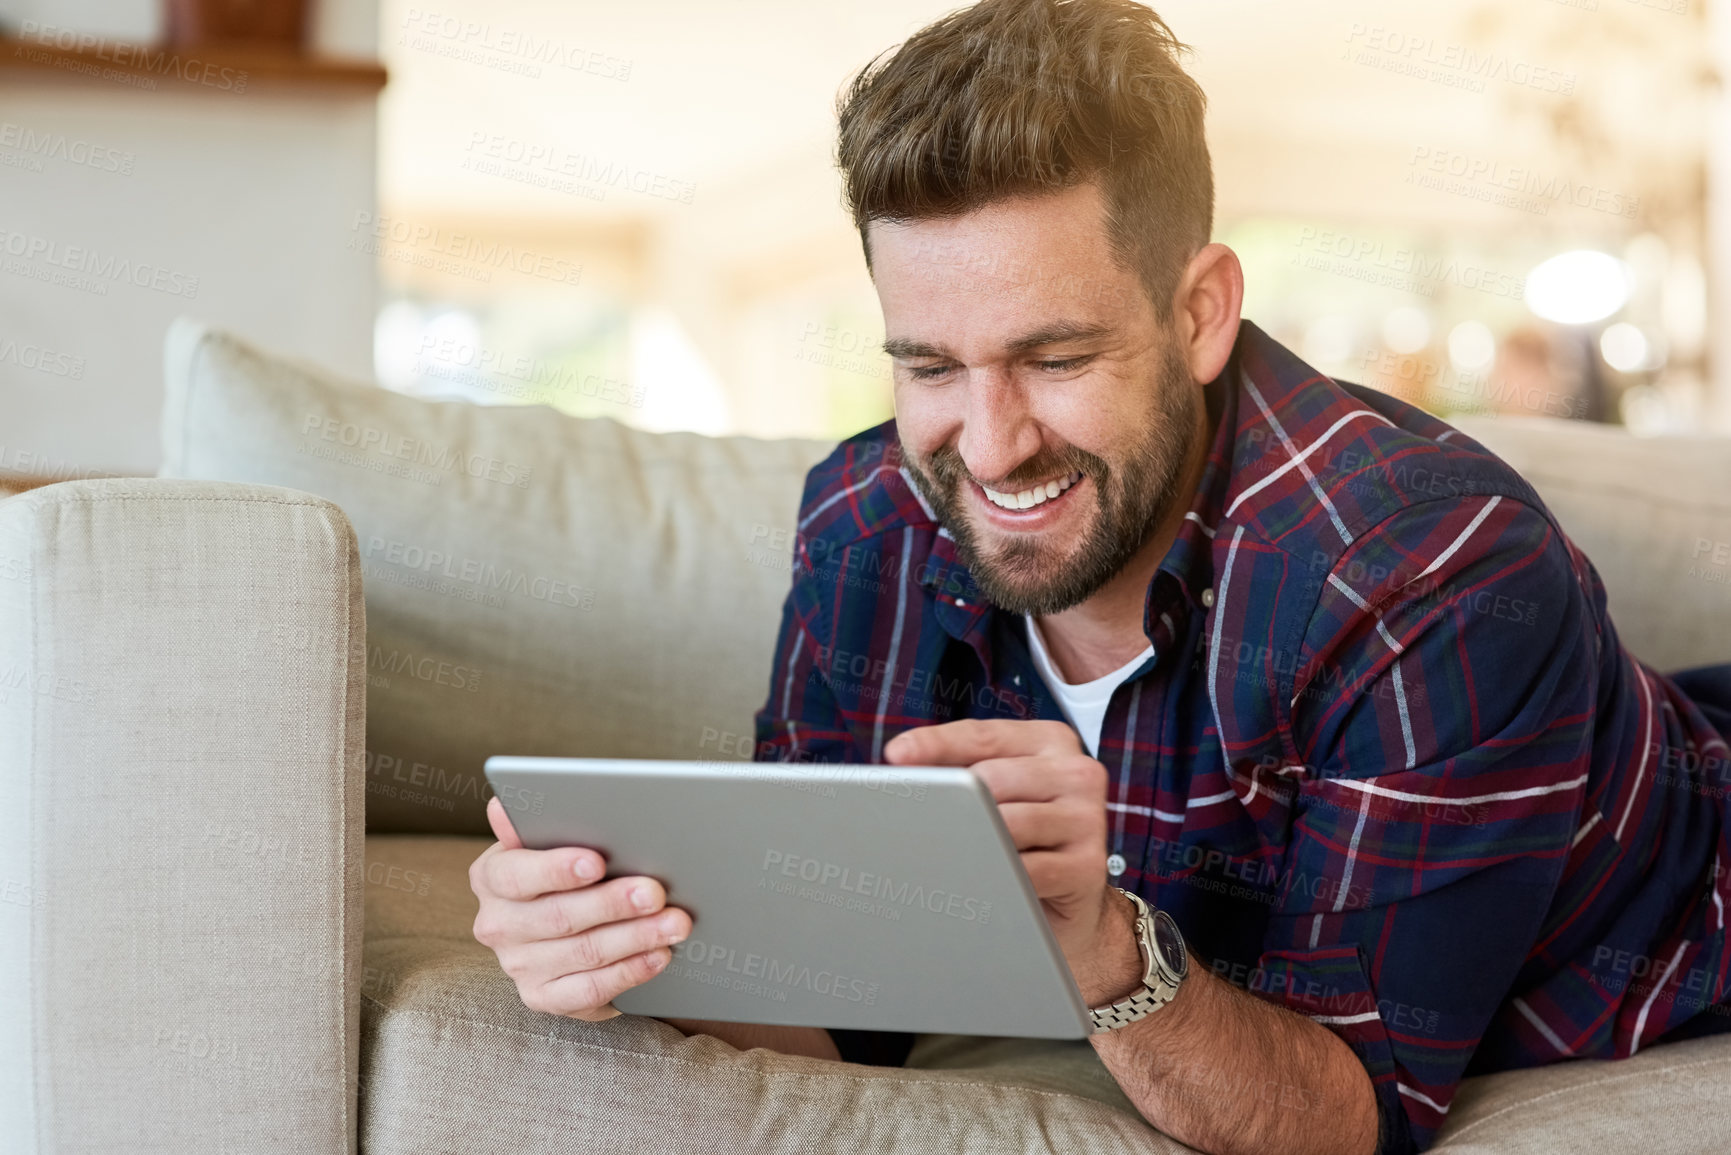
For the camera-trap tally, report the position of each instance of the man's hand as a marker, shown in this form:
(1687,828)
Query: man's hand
(571,943)
(1053,800)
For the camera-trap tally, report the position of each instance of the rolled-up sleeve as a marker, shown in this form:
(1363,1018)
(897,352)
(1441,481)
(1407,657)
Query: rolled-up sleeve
(1441,731)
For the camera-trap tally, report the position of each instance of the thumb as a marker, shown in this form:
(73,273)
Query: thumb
(501,825)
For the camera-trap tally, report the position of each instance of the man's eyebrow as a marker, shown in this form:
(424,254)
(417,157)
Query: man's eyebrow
(1045,335)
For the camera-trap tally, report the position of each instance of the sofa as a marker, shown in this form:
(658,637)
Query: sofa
(243,710)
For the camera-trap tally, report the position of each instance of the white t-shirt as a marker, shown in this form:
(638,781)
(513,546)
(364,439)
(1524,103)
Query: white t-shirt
(1084,703)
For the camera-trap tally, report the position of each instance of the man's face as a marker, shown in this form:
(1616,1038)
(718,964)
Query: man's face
(1043,411)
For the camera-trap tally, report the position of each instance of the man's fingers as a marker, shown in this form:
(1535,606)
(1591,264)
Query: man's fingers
(1064,826)
(501,824)
(554,916)
(1044,778)
(974,739)
(585,993)
(1053,876)
(539,962)
(520,875)
(1045,868)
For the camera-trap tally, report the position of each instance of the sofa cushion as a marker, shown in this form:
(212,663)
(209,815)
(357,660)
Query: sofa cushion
(452,1060)
(1673,1099)
(1652,514)
(535,583)
(180,755)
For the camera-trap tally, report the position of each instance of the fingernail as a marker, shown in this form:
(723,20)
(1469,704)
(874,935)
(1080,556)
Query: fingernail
(657,961)
(588,869)
(670,928)
(641,898)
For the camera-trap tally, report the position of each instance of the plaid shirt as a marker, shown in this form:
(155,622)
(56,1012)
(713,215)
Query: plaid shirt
(1389,765)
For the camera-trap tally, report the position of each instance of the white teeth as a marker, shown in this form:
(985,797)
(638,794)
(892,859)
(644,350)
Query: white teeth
(1028,498)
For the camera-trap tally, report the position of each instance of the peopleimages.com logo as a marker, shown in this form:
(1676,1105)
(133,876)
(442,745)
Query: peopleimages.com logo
(87,269)
(140,58)
(439,569)
(766,976)
(40,359)
(368,439)
(880,887)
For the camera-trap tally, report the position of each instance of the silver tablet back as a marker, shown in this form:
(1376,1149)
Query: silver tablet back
(868,897)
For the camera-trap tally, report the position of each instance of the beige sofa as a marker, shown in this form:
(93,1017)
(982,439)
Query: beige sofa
(205,947)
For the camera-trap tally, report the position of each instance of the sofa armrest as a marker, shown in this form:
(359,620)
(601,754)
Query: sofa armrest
(182,719)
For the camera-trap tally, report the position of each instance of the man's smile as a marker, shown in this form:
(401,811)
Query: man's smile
(1034,495)
(1030,509)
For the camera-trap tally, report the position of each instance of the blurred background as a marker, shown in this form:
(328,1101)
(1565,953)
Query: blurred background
(631,211)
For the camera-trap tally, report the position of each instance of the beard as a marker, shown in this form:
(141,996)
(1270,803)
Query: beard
(1021,573)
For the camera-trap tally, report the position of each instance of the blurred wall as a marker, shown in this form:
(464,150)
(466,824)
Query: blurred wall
(122,207)
(632,211)
(1391,171)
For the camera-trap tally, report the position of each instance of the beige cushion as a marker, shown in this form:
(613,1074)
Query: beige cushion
(1652,514)
(181,718)
(535,583)
(452,1059)
(1669,1100)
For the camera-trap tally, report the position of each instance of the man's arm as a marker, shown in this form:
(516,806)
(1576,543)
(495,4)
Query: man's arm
(1441,731)
(1215,1068)
(1287,1084)
(799,721)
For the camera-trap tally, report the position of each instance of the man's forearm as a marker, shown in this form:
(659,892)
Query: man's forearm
(812,1042)
(1226,1072)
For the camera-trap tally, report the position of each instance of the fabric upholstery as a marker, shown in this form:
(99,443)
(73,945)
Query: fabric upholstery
(181,715)
(453,1062)
(453,1059)
(1652,514)
(535,583)
(1673,1099)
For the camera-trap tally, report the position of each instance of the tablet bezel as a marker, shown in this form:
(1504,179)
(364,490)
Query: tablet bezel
(648,803)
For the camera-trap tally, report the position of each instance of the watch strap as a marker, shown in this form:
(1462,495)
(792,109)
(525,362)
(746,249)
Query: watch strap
(1138,1006)
(1154,994)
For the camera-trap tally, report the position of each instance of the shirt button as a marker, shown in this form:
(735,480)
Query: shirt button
(1208,598)
(1017,679)
(1115,865)
(960,604)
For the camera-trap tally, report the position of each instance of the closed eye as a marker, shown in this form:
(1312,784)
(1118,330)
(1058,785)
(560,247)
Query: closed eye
(1064,365)
(933,372)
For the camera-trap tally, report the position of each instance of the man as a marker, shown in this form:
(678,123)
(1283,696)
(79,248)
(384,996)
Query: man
(1305,669)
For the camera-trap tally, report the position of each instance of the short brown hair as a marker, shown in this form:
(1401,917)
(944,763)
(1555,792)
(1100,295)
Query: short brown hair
(1021,97)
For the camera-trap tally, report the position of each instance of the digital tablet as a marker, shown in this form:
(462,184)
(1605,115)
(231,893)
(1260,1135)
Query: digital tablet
(821,895)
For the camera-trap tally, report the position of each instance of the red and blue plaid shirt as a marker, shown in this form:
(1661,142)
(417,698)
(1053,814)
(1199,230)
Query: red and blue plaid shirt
(1389,765)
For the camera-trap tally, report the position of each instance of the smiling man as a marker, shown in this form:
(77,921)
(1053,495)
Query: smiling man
(1311,726)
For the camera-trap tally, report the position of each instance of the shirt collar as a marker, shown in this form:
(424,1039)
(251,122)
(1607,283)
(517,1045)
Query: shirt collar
(1190,559)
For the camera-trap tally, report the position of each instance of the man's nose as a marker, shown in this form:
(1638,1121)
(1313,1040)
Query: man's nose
(998,431)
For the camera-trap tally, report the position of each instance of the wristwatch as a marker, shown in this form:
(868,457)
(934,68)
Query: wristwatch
(1165,962)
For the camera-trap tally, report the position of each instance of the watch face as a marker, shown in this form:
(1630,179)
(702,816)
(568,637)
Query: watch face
(1170,944)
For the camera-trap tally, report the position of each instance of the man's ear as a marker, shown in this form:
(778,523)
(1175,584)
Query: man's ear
(1205,310)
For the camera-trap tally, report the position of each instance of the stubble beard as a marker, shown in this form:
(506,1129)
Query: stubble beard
(1022,574)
